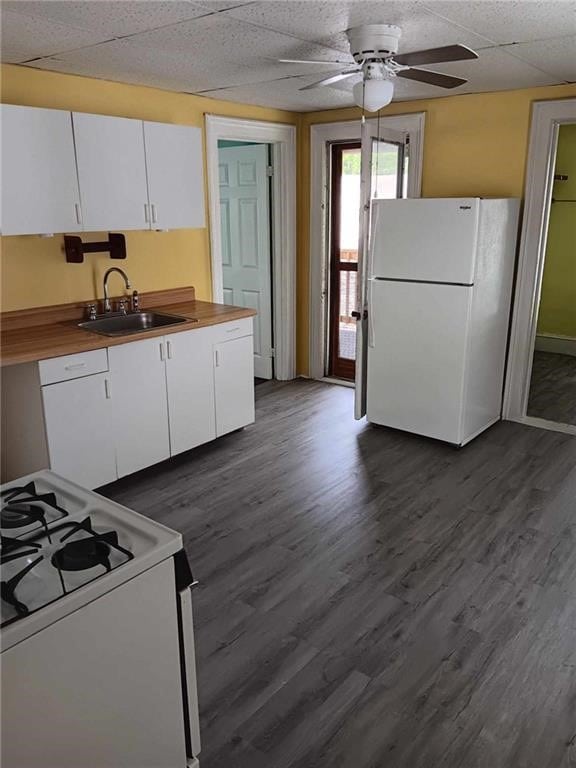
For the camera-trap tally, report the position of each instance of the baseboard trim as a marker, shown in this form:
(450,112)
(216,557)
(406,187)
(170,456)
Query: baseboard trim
(561,345)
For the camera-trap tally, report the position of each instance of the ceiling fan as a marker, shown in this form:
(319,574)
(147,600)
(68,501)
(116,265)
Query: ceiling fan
(373,48)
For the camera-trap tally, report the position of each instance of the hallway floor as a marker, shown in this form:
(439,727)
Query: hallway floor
(553,388)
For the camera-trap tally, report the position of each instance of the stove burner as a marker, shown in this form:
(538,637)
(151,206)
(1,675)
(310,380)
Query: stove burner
(19,515)
(82,554)
(22,506)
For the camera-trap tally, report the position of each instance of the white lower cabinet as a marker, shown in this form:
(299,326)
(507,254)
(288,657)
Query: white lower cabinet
(234,384)
(139,405)
(78,421)
(190,386)
(97,416)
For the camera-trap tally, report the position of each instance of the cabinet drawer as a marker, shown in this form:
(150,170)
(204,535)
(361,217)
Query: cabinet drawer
(73,366)
(233,330)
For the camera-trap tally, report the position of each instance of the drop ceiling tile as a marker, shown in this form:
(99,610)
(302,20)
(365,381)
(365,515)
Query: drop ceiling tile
(325,21)
(509,21)
(284,94)
(109,18)
(556,57)
(221,37)
(123,61)
(495,70)
(24,37)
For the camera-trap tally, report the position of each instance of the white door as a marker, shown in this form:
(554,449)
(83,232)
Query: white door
(111,172)
(78,421)
(425,239)
(383,166)
(39,179)
(139,404)
(190,381)
(175,171)
(416,356)
(245,225)
(234,384)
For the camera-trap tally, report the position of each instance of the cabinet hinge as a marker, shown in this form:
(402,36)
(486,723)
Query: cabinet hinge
(270,170)
(272,353)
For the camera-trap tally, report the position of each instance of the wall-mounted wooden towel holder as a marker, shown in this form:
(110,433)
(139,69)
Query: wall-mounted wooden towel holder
(75,249)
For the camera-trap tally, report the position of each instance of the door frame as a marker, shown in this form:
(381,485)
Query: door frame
(282,139)
(546,119)
(321,136)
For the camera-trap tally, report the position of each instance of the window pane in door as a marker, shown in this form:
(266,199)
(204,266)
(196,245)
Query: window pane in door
(346,323)
(349,205)
(386,160)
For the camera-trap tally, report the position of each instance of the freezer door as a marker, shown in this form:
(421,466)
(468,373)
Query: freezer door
(425,239)
(416,357)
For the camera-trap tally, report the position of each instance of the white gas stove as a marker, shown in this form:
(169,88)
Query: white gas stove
(97,626)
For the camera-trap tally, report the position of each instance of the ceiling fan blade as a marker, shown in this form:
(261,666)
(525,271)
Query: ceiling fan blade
(436,55)
(331,79)
(433,78)
(315,61)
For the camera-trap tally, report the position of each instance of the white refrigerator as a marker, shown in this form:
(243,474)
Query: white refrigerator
(439,284)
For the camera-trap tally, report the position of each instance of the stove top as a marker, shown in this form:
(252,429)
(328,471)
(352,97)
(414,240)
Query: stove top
(42,567)
(62,545)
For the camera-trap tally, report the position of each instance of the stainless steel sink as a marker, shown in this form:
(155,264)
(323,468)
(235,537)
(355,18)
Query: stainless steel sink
(135,322)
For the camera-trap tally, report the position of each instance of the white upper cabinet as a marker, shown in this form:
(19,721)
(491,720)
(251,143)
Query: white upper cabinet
(39,182)
(111,172)
(174,164)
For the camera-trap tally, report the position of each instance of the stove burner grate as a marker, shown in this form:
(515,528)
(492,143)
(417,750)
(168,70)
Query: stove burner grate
(91,550)
(22,506)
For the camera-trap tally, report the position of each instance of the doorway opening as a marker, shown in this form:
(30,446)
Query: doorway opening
(552,393)
(540,376)
(245,174)
(388,180)
(279,141)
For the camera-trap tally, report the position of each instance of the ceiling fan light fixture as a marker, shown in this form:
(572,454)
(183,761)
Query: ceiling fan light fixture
(373,94)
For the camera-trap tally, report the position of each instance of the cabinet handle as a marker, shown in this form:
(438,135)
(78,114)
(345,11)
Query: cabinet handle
(78,213)
(154,219)
(169,348)
(233,330)
(107,389)
(146,214)
(216,358)
(162,355)
(74,366)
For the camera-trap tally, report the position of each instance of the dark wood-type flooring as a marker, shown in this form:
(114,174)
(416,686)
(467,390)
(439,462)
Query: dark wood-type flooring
(371,599)
(553,388)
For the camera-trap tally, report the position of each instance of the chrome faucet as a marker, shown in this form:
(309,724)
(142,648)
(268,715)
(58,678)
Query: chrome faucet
(107,305)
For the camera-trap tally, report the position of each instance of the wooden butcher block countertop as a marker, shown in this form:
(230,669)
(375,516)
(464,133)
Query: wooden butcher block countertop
(37,334)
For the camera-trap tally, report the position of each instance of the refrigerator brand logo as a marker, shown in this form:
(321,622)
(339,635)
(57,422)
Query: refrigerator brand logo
(465,207)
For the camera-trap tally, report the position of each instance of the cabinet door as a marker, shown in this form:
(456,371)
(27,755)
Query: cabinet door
(234,384)
(190,381)
(174,164)
(38,172)
(139,404)
(111,172)
(78,422)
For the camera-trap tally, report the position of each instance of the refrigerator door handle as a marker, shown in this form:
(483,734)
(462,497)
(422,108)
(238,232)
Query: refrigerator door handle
(371,335)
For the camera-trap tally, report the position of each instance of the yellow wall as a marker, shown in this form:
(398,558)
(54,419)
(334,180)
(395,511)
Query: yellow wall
(34,271)
(557,315)
(473,145)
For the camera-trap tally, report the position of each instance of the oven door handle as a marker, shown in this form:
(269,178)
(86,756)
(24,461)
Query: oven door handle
(188,662)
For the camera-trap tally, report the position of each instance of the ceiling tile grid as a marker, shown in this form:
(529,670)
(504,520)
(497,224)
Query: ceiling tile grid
(229,49)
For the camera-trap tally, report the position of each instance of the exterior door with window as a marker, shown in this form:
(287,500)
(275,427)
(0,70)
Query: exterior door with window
(246,252)
(385,161)
(384,175)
